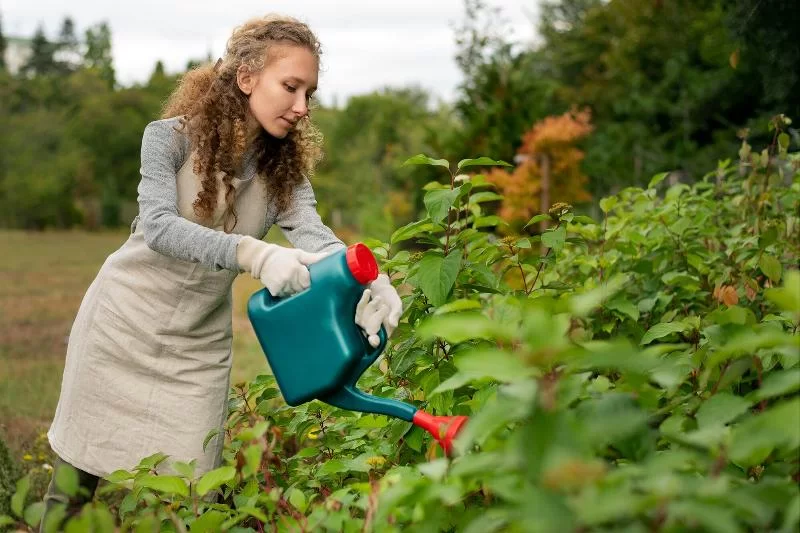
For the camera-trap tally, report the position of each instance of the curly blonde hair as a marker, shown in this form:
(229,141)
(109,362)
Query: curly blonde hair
(213,111)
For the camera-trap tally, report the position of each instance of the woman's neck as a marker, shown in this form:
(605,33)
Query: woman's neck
(254,129)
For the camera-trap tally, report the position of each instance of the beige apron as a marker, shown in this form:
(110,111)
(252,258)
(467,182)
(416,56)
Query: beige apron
(149,358)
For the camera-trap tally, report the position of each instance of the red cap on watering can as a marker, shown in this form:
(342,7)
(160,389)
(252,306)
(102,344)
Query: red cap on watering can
(361,263)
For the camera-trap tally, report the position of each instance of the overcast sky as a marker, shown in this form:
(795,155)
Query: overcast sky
(366,44)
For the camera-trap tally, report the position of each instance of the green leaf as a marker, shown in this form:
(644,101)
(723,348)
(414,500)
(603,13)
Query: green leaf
(118,476)
(778,384)
(492,363)
(721,409)
(437,275)
(771,267)
(712,518)
(6,520)
(681,279)
(783,140)
(485,196)
(66,479)
(755,438)
(439,202)
(167,484)
(33,513)
(458,327)
(662,330)
(334,466)
(211,434)
(412,230)
(151,462)
(609,203)
(624,306)
(583,219)
(480,180)
(585,303)
(184,469)
(215,479)
(748,342)
(489,363)
(208,522)
(791,519)
(488,222)
(18,499)
(297,499)
(658,178)
(401,361)
(481,161)
(422,159)
(434,185)
(252,456)
(788,296)
(307,452)
(254,512)
(458,305)
(554,238)
(248,434)
(435,469)
(538,218)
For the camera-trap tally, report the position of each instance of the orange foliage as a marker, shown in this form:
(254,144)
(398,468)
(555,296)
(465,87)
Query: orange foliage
(552,138)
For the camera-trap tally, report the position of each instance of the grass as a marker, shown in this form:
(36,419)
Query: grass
(43,277)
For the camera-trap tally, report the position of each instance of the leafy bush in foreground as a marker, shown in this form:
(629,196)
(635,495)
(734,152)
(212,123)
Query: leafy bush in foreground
(638,373)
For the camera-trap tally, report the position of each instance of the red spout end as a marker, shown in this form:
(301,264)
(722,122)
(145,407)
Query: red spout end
(361,263)
(443,428)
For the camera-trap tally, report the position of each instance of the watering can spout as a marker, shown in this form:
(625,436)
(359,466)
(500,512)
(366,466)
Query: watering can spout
(443,428)
(351,398)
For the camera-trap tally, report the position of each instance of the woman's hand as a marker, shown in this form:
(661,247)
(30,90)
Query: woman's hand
(379,305)
(283,271)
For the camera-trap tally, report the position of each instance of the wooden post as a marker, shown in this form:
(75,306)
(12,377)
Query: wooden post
(544,166)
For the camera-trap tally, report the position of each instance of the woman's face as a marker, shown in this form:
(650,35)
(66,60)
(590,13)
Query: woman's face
(279,95)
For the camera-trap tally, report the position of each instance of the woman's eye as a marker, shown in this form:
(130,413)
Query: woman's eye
(291,89)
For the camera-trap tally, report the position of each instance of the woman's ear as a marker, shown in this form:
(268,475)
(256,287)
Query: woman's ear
(245,79)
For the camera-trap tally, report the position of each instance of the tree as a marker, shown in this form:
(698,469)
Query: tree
(658,80)
(767,31)
(67,53)
(41,61)
(98,52)
(549,169)
(3,45)
(365,145)
(503,91)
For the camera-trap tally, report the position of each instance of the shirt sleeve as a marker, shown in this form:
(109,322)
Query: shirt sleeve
(302,225)
(164,151)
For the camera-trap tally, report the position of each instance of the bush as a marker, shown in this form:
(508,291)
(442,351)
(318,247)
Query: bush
(9,472)
(639,373)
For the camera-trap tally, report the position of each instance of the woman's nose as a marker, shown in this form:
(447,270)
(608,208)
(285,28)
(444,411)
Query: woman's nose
(300,107)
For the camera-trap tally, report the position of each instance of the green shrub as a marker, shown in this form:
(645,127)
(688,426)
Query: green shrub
(9,472)
(638,373)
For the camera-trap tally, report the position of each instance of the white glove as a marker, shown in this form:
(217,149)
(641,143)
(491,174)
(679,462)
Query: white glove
(379,304)
(283,271)
(370,313)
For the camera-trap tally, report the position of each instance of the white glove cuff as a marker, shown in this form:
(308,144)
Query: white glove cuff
(251,254)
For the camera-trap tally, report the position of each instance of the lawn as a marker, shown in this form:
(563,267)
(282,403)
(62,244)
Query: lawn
(43,276)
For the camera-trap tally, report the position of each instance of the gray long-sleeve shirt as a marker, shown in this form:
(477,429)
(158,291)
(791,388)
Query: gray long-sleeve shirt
(164,151)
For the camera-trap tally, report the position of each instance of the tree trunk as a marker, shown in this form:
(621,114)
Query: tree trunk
(544,165)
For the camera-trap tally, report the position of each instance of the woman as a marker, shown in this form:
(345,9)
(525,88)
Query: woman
(149,356)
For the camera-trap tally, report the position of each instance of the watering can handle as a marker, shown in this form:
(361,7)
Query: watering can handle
(370,357)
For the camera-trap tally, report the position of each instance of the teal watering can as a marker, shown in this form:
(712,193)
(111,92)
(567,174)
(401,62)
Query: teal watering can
(317,352)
